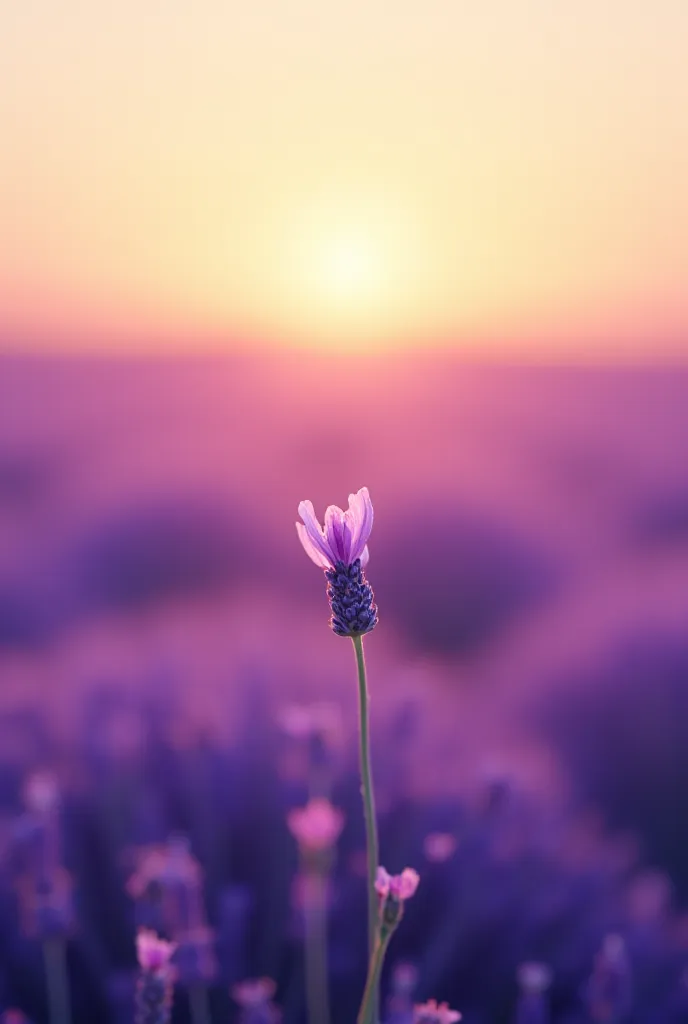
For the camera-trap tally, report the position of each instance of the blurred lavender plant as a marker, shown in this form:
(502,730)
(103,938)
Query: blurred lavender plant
(316,829)
(44,884)
(609,992)
(317,727)
(534,979)
(399,1007)
(254,997)
(433,1012)
(154,991)
(45,888)
(171,880)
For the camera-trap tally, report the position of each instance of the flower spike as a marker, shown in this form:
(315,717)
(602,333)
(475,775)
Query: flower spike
(341,549)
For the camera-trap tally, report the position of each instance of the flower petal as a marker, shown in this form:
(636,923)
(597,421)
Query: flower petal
(314,531)
(365,556)
(338,534)
(310,548)
(361,515)
(382,881)
(408,883)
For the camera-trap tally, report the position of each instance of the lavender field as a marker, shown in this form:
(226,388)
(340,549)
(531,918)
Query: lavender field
(170,690)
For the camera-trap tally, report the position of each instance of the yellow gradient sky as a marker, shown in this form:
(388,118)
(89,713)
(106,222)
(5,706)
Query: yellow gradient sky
(505,173)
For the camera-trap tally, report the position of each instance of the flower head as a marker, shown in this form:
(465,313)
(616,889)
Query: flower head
(341,549)
(317,826)
(439,846)
(154,989)
(404,977)
(41,792)
(393,891)
(433,1012)
(534,977)
(170,863)
(153,953)
(609,989)
(253,992)
(397,887)
(344,538)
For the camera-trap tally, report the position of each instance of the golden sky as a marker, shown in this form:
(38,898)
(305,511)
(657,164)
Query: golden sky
(505,173)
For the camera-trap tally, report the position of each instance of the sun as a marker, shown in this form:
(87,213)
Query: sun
(350,268)
(345,271)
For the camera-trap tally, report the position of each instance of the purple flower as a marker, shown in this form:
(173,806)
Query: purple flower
(317,826)
(609,995)
(154,989)
(534,979)
(254,996)
(154,954)
(433,1012)
(393,891)
(254,992)
(341,549)
(344,537)
(399,887)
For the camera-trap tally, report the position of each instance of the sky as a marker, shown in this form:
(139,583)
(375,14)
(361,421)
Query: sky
(505,175)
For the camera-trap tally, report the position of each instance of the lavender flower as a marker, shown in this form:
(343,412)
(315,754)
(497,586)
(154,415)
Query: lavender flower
(399,1008)
(45,886)
(534,979)
(154,990)
(399,887)
(439,846)
(254,996)
(316,827)
(433,1012)
(393,891)
(341,549)
(170,874)
(608,993)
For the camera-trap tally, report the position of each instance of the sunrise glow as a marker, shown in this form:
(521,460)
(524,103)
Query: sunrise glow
(512,174)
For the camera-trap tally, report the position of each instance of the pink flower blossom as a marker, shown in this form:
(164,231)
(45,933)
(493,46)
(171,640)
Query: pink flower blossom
(439,846)
(344,537)
(317,826)
(253,992)
(398,887)
(153,953)
(170,862)
(534,977)
(41,792)
(433,1012)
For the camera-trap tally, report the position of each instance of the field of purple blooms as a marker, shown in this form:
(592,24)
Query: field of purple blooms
(170,693)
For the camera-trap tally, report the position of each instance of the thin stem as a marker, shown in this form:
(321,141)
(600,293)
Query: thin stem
(54,955)
(316,949)
(368,1012)
(368,800)
(200,1009)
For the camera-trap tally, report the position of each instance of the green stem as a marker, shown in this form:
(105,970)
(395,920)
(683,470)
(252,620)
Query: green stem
(54,955)
(368,802)
(316,949)
(200,1008)
(368,1012)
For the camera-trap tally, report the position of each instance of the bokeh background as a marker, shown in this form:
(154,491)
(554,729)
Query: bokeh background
(253,253)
